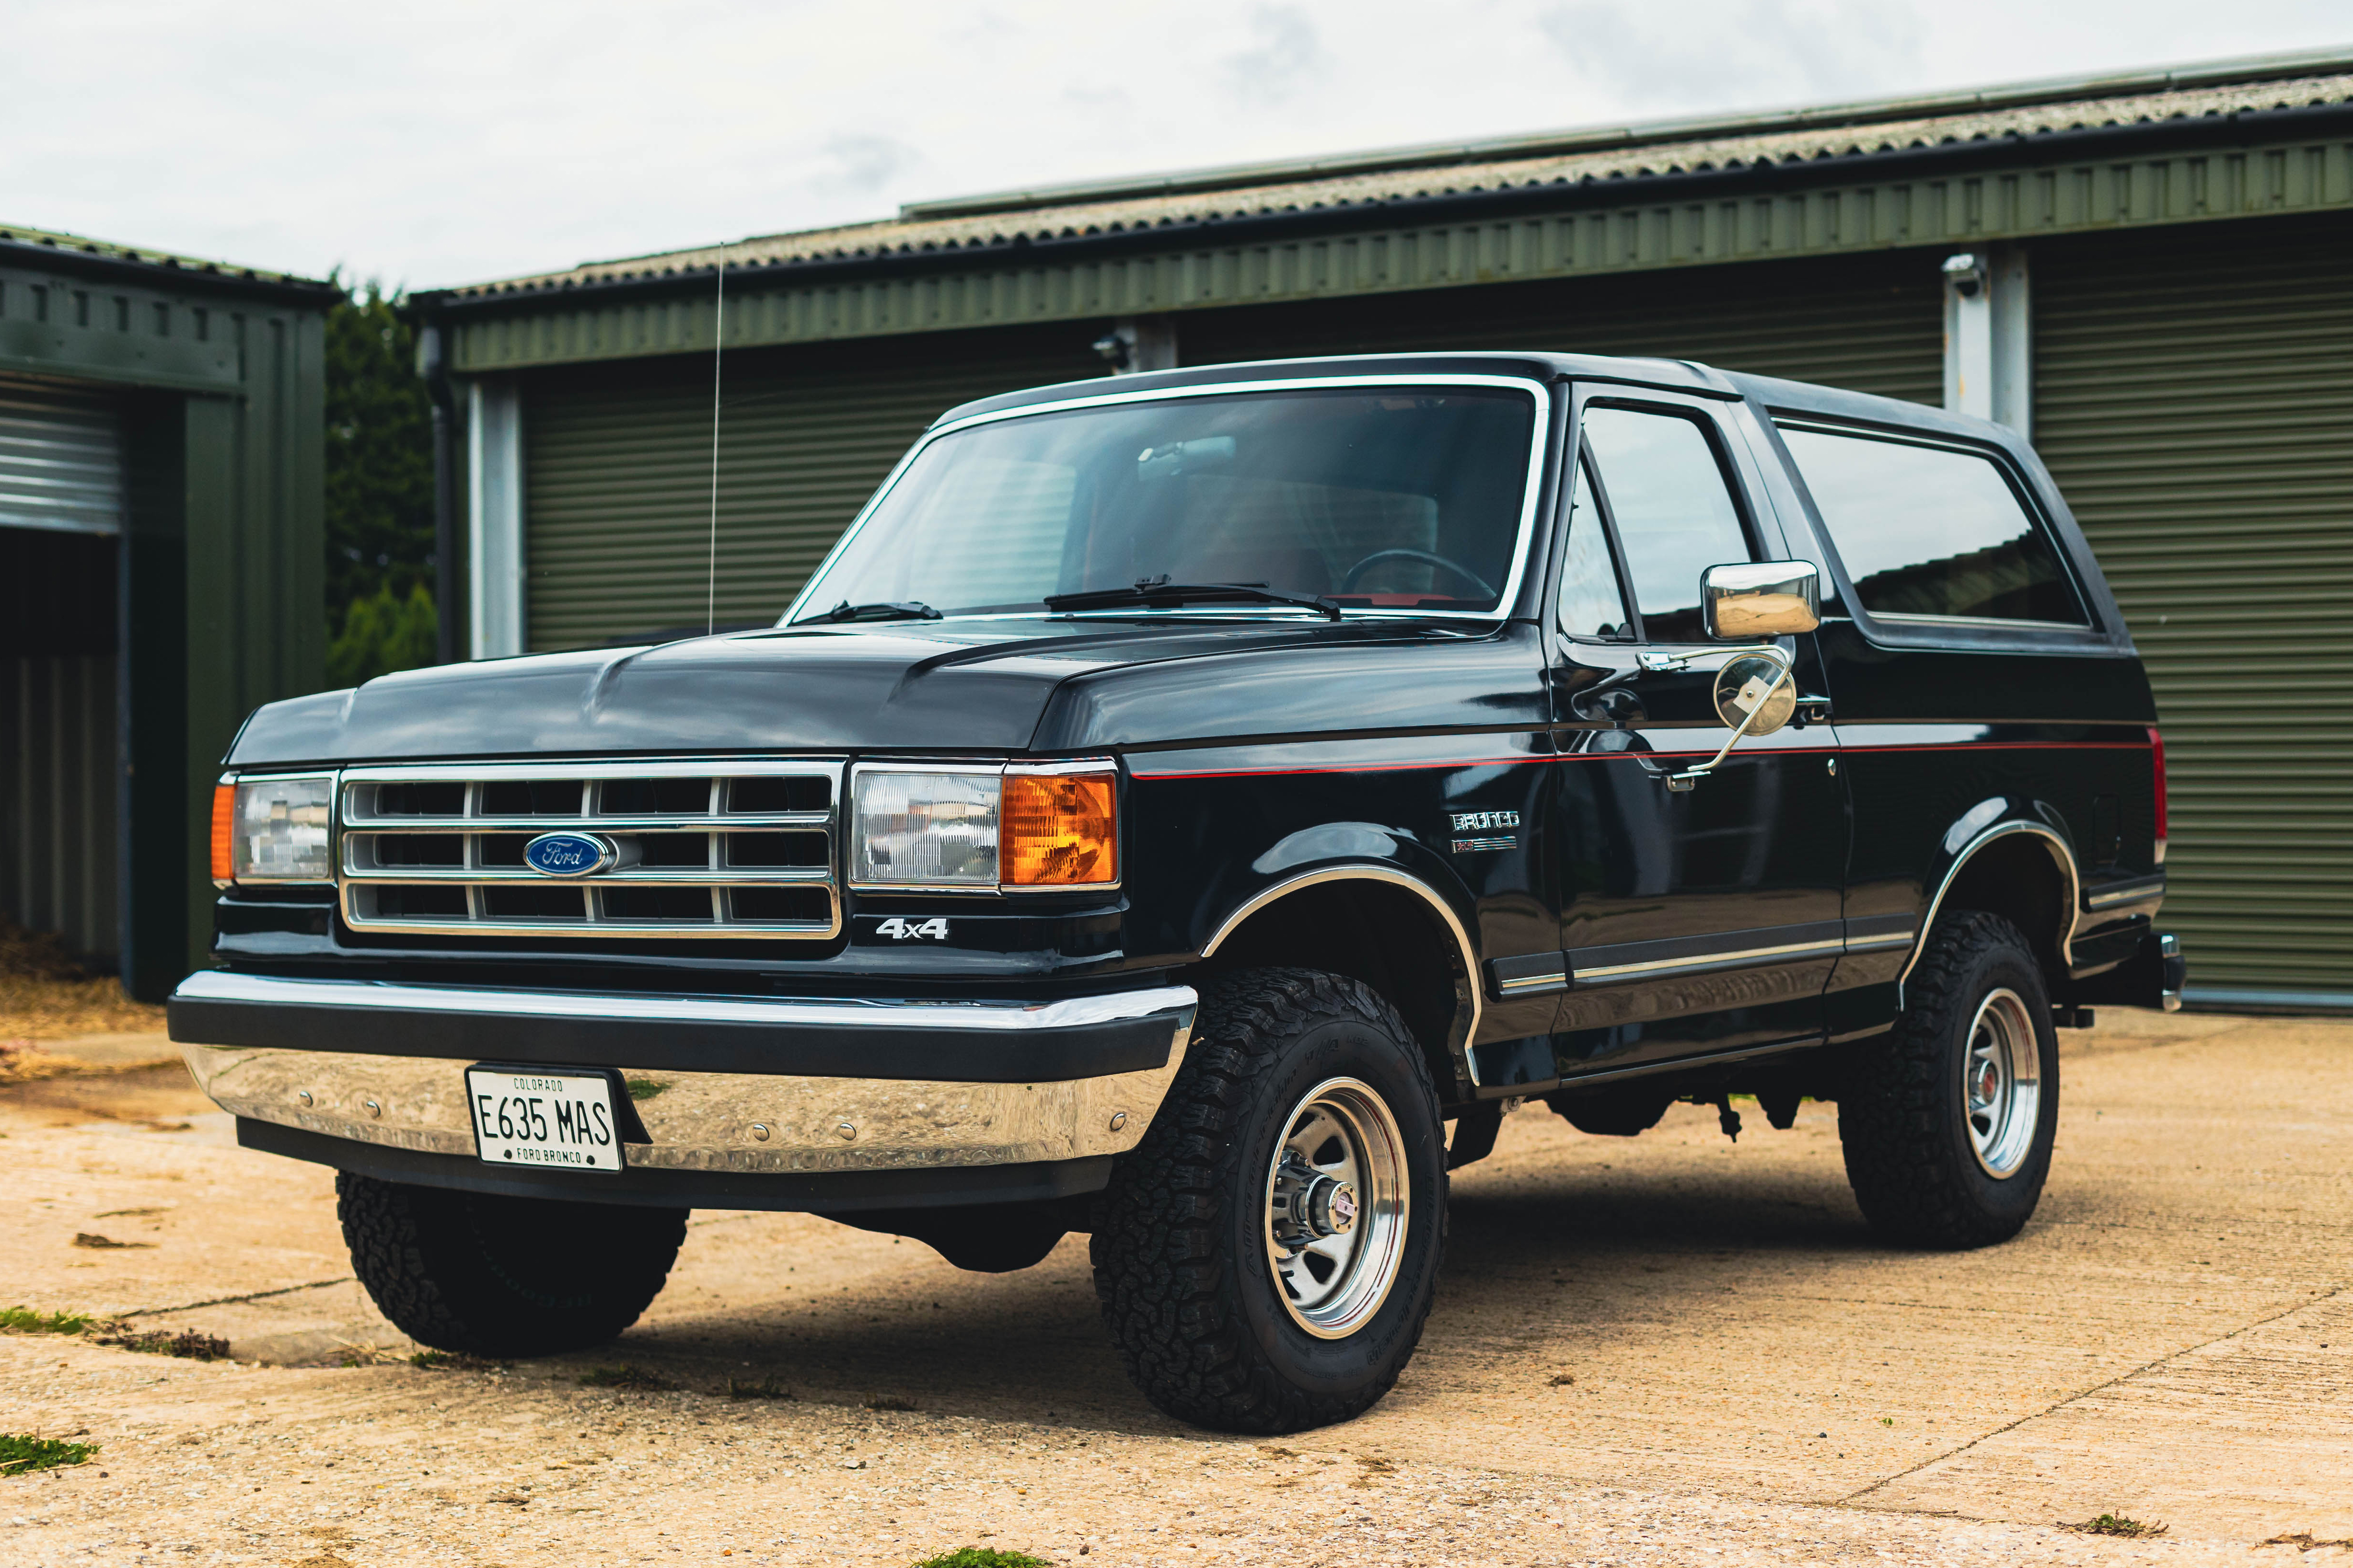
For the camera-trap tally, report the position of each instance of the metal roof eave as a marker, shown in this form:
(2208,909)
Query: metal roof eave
(71,255)
(2280,67)
(2021,153)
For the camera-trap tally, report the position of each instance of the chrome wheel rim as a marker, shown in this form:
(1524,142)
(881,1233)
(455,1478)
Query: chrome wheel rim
(2001,1082)
(1337,1207)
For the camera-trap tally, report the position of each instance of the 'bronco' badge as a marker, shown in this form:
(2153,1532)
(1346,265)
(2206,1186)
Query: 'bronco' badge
(570,854)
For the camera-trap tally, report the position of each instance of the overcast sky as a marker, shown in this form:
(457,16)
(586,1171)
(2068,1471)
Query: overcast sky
(429,143)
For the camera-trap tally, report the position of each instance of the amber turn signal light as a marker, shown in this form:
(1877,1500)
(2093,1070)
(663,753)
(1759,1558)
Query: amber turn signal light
(1058,830)
(223,820)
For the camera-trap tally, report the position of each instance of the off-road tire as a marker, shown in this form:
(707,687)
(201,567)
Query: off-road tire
(493,1276)
(1179,1248)
(1902,1111)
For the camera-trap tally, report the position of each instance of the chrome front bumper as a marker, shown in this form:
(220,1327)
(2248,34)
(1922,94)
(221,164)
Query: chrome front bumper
(774,1119)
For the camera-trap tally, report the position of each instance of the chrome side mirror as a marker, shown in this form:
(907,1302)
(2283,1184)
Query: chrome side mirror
(1760,599)
(1754,695)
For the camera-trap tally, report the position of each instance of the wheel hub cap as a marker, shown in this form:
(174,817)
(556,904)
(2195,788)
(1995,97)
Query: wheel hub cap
(1336,1208)
(2001,1082)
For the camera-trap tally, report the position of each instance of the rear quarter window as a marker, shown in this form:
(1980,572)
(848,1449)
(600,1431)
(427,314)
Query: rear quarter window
(1932,532)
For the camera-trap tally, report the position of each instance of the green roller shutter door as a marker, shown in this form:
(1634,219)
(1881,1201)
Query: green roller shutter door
(2194,398)
(616,470)
(1872,323)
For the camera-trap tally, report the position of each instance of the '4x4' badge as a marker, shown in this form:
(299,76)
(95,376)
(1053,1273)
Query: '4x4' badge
(898,930)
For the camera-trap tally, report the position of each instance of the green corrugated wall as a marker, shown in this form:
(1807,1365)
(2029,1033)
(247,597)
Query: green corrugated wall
(1875,324)
(617,471)
(2194,398)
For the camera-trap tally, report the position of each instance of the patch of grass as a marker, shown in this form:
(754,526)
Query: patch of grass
(25,1321)
(765,1388)
(889,1402)
(983,1557)
(2117,1524)
(190,1346)
(2304,1541)
(625,1377)
(645,1089)
(20,1454)
(454,1361)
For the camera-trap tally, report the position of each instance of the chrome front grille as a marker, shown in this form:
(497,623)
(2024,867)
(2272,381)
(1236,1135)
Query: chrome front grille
(732,848)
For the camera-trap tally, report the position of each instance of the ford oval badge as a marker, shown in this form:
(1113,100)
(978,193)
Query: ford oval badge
(570,854)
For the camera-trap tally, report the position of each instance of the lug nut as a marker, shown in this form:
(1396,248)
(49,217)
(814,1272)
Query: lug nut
(1118,1120)
(846,1130)
(760,1130)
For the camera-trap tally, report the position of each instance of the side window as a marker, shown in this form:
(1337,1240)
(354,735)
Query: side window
(1673,511)
(1590,603)
(1929,532)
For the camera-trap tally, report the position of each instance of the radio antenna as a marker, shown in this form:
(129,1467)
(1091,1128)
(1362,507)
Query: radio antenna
(718,340)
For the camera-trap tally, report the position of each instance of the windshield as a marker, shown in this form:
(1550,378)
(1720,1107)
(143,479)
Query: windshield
(1381,498)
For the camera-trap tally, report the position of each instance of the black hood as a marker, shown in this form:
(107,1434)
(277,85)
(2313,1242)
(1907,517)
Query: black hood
(988,687)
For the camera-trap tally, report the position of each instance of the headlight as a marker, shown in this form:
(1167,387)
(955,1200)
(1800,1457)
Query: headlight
(926,830)
(273,831)
(985,828)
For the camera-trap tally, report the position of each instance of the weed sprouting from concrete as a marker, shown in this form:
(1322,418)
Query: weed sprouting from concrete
(25,1321)
(2117,1524)
(189,1346)
(20,1454)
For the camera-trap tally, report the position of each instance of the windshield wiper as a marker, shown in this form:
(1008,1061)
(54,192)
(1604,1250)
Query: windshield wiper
(908,610)
(1158,592)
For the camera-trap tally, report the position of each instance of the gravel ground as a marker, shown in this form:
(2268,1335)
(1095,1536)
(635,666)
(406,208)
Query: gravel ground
(1671,1349)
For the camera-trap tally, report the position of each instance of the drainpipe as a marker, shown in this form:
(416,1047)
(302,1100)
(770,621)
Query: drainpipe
(436,371)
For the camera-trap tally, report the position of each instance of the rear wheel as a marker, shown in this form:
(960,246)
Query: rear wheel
(493,1276)
(1948,1123)
(1266,1255)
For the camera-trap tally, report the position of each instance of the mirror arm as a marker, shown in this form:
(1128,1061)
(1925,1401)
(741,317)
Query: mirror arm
(1688,778)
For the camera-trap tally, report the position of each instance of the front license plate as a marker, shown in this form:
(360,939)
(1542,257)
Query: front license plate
(551,1120)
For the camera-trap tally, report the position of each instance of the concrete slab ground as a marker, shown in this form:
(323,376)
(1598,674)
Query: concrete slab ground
(1667,1349)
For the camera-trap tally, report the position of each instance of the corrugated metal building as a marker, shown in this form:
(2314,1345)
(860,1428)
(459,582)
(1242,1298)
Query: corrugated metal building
(161,551)
(2147,273)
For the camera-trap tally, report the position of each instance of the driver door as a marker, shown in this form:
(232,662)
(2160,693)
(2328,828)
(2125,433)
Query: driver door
(1698,920)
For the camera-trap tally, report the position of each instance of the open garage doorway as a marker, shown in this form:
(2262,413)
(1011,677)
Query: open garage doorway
(62,511)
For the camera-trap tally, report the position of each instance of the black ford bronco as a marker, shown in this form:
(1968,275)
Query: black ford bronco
(1174,803)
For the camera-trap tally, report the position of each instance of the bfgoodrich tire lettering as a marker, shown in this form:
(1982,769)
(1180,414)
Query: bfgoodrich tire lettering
(1181,1249)
(1905,1113)
(496,1275)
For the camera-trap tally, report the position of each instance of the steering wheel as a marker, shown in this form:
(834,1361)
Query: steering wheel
(1348,579)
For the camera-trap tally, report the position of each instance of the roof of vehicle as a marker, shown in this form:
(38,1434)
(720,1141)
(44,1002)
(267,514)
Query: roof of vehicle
(1674,374)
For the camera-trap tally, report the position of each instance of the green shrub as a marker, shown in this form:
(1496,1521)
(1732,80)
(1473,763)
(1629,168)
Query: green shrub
(19,1453)
(382,634)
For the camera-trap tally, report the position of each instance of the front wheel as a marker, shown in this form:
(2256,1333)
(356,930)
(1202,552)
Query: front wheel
(1948,1123)
(494,1276)
(1266,1257)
